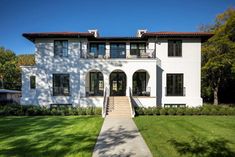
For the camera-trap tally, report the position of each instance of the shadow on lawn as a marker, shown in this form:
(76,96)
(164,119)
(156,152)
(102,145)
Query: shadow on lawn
(203,148)
(44,136)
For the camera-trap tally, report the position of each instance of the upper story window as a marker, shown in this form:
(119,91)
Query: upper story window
(32,82)
(175,85)
(61,84)
(61,48)
(137,49)
(174,48)
(97,50)
(118,50)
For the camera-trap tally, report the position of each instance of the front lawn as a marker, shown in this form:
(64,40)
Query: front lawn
(176,136)
(49,135)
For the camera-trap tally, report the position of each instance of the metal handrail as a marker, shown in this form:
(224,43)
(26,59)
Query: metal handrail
(131,103)
(105,102)
(147,53)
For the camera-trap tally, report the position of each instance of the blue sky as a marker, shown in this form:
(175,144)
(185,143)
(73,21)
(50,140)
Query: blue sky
(111,18)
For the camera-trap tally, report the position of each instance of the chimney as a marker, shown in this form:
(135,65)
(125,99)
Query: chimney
(140,32)
(94,31)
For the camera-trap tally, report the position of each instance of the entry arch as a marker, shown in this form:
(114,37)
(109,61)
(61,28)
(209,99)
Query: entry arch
(117,82)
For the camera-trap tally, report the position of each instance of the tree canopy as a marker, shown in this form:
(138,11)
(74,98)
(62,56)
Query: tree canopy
(10,72)
(218,55)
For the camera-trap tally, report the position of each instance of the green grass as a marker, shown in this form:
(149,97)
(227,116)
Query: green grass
(49,135)
(158,131)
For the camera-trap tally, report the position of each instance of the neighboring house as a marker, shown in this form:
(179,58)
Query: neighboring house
(9,96)
(77,68)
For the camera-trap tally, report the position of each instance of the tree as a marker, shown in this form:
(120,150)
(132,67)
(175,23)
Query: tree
(10,72)
(218,53)
(25,60)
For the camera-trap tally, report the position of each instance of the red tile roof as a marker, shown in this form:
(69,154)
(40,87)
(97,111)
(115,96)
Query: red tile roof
(178,34)
(203,35)
(32,36)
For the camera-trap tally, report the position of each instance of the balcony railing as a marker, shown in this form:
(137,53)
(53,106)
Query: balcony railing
(110,53)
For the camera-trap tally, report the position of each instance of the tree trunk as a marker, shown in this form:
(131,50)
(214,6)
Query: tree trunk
(216,99)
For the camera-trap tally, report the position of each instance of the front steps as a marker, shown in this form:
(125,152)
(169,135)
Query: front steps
(118,106)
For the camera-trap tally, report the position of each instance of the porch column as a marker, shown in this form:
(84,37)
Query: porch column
(106,80)
(128,84)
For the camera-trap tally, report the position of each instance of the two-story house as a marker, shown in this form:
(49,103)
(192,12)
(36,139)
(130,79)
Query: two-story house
(78,68)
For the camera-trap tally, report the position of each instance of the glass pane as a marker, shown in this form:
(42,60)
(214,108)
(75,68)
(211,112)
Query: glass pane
(141,46)
(133,46)
(32,82)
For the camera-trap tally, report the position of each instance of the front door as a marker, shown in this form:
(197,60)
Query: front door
(117,84)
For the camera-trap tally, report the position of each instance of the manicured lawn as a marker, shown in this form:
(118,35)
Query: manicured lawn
(167,135)
(48,136)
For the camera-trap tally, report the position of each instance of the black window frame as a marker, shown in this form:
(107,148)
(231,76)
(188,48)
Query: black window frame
(174,48)
(115,53)
(98,49)
(177,88)
(61,85)
(32,80)
(99,77)
(61,54)
(138,50)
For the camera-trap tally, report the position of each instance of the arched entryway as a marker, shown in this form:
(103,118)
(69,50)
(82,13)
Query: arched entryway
(94,83)
(140,81)
(117,81)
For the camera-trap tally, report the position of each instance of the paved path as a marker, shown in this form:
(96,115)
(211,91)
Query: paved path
(119,136)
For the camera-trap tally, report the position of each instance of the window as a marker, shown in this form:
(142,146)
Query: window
(61,84)
(32,82)
(97,50)
(174,105)
(139,83)
(96,84)
(137,48)
(175,85)
(61,48)
(118,50)
(175,48)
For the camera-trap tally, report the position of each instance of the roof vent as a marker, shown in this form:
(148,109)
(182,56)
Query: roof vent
(140,32)
(94,31)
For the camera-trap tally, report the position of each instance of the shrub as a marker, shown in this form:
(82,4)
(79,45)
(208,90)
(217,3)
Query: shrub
(171,111)
(148,111)
(163,111)
(188,111)
(180,111)
(213,111)
(98,111)
(205,111)
(54,112)
(139,110)
(156,111)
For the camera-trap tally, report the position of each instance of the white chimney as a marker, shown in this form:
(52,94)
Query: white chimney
(140,32)
(94,31)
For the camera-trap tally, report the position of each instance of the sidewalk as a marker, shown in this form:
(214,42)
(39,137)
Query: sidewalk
(119,136)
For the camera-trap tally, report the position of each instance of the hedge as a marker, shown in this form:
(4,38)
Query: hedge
(203,110)
(33,110)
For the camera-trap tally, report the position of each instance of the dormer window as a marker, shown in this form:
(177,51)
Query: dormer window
(61,48)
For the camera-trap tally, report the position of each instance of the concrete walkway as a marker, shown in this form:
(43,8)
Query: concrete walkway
(119,136)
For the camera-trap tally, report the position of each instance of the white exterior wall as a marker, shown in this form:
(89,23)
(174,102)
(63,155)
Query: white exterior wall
(47,65)
(189,64)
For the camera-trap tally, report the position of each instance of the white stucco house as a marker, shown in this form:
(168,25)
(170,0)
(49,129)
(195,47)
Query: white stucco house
(80,68)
